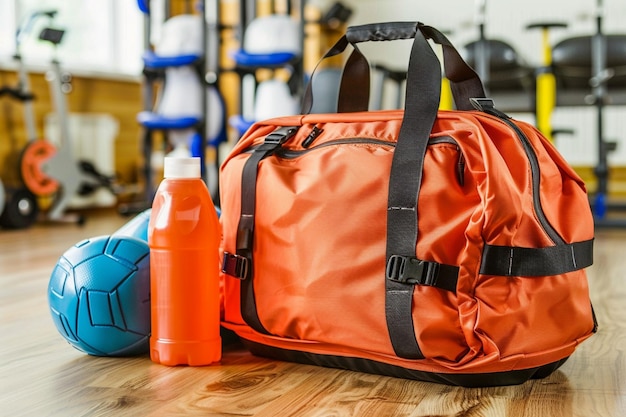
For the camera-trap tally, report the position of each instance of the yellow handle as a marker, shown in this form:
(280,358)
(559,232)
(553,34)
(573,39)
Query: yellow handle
(446,101)
(545,90)
(546,102)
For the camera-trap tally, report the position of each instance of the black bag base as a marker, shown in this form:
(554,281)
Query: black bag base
(493,379)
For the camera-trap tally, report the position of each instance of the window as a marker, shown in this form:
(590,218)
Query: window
(104,36)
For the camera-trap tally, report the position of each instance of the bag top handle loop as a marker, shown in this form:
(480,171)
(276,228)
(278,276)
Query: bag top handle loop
(355,82)
(382,32)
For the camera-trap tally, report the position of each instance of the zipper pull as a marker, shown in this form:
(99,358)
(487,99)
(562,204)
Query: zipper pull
(460,169)
(487,105)
(312,136)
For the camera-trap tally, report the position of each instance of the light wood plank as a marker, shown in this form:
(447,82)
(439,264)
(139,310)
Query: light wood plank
(41,375)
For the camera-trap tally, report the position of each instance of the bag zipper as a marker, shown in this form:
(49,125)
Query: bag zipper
(294,153)
(487,106)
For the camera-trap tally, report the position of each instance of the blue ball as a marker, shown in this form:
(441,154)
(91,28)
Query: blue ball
(99,296)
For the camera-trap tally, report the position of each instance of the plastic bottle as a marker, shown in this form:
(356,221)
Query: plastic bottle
(183,235)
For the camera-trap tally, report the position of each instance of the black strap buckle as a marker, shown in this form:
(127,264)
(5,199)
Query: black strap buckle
(280,135)
(235,265)
(409,270)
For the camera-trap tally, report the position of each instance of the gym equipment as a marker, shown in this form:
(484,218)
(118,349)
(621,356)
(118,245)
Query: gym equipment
(179,107)
(55,165)
(99,296)
(545,96)
(446,101)
(189,110)
(336,15)
(271,42)
(506,77)
(46,170)
(590,66)
(20,208)
(33,156)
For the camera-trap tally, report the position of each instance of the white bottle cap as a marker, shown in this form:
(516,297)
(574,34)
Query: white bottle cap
(181,167)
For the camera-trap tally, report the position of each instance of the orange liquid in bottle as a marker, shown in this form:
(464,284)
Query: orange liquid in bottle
(183,235)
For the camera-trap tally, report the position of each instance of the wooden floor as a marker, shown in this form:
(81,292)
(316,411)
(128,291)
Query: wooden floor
(41,375)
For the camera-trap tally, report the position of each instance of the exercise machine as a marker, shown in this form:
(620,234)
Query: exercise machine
(506,77)
(601,75)
(50,171)
(589,67)
(545,96)
(18,206)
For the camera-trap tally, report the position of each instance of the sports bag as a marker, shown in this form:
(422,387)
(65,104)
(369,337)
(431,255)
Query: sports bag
(443,246)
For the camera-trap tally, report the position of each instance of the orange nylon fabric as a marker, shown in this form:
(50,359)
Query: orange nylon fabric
(320,230)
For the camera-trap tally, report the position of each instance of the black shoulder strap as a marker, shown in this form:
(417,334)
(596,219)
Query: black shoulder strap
(404,185)
(240,265)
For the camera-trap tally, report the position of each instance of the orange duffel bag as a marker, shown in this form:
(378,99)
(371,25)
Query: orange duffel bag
(444,246)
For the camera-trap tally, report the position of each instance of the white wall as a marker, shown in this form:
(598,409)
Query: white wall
(506,20)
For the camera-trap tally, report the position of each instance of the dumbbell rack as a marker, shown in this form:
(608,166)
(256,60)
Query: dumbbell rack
(248,63)
(207,68)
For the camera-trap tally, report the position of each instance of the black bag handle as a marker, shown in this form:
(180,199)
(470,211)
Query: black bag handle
(355,81)
(464,81)
(375,32)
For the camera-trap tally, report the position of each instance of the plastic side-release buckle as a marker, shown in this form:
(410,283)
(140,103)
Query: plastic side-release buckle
(280,135)
(410,270)
(236,266)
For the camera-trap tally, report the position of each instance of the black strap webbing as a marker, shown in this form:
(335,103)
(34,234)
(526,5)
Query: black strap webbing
(506,261)
(534,262)
(245,229)
(421,103)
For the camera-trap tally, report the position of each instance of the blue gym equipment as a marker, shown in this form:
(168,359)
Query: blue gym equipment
(189,110)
